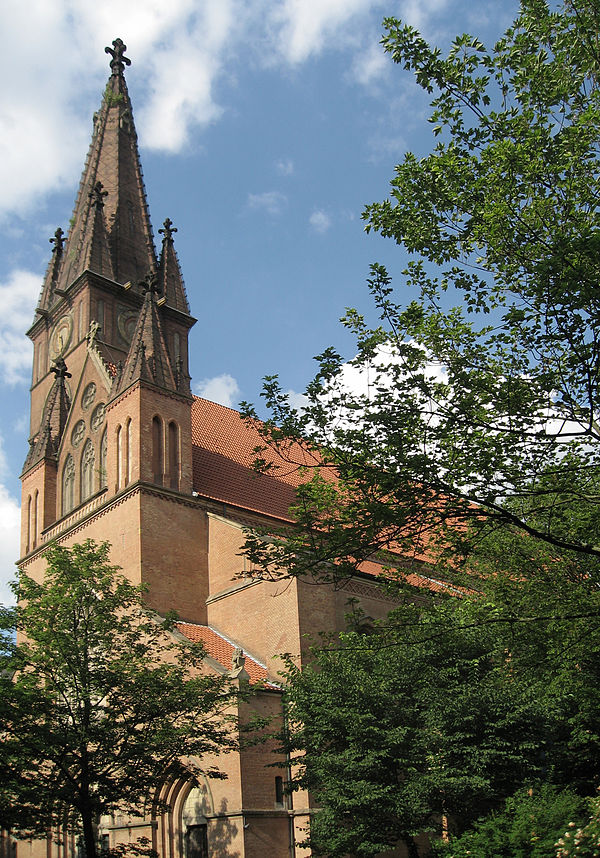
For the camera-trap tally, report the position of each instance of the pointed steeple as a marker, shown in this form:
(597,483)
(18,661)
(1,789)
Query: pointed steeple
(115,236)
(148,358)
(169,272)
(54,417)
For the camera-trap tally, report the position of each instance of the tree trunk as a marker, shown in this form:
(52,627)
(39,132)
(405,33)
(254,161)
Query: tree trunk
(411,846)
(89,835)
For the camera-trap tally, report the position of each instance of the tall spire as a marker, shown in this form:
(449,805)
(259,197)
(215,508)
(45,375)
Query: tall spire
(116,236)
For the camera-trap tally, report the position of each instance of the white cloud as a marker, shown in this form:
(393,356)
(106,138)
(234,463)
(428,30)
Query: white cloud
(302,28)
(299,401)
(418,13)
(320,221)
(223,389)
(370,65)
(182,51)
(285,166)
(272,202)
(18,296)
(185,67)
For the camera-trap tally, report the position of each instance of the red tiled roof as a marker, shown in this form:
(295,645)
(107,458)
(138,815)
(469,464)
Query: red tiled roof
(222,650)
(421,582)
(223,451)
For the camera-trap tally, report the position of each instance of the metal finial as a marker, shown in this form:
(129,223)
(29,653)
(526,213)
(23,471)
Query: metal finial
(168,230)
(57,240)
(97,195)
(119,60)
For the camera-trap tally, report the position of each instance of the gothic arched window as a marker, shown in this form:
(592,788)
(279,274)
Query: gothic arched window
(68,486)
(157,450)
(88,461)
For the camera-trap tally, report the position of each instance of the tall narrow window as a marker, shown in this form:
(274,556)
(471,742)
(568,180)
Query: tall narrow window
(35,518)
(157,450)
(176,347)
(128,452)
(173,455)
(279,794)
(68,486)
(119,456)
(88,461)
(103,455)
(28,525)
(100,316)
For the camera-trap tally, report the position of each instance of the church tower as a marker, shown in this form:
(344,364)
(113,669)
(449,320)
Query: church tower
(110,396)
(120,451)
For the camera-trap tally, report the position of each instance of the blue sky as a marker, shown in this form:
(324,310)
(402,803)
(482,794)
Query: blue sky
(265,126)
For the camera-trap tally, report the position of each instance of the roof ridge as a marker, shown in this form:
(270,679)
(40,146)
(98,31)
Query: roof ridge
(228,407)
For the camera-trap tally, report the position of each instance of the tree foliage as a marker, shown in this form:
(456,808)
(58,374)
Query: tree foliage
(446,709)
(527,826)
(99,700)
(581,841)
(472,444)
(484,414)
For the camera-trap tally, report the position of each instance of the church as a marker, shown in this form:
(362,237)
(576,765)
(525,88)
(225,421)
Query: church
(120,450)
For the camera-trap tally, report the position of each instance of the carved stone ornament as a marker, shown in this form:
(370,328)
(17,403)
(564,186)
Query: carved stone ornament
(97,416)
(126,322)
(61,337)
(78,433)
(89,394)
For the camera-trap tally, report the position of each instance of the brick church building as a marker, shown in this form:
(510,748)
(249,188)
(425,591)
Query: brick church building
(120,450)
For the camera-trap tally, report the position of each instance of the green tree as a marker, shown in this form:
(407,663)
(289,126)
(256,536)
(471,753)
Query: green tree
(446,709)
(583,841)
(484,414)
(99,700)
(474,445)
(527,826)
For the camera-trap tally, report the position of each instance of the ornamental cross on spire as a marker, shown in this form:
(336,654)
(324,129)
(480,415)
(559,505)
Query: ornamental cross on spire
(119,60)
(57,240)
(97,195)
(60,369)
(168,230)
(150,284)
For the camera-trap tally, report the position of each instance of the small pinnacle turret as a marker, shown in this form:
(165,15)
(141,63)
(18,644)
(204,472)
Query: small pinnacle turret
(148,358)
(46,443)
(169,271)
